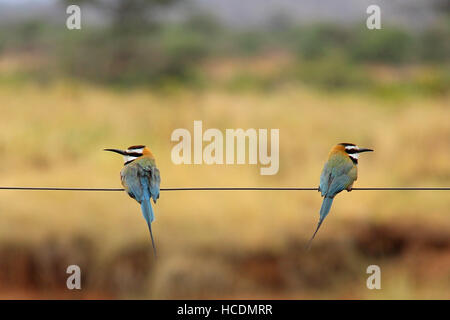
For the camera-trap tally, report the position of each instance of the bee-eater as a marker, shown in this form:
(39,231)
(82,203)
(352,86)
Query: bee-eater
(140,178)
(339,173)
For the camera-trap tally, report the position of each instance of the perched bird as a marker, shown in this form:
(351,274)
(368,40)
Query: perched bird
(339,173)
(140,178)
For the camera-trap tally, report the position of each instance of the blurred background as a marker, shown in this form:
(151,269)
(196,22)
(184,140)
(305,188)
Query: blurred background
(137,70)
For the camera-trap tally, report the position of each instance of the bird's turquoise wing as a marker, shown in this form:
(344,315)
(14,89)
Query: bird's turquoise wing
(151,173)
(155,180)
(335,177)
(325,180)
(338,184)
(131,182)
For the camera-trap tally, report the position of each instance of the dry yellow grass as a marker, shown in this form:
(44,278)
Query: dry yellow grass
(54,136)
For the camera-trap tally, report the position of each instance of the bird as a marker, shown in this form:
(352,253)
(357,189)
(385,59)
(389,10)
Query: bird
(338,174)
(141,179)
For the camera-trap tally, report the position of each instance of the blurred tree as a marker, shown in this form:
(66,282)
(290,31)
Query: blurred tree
(280,22)
(441,5)
(318,40)
(386,45)
(117,54)
(203,24)
(127,16)
(434,45)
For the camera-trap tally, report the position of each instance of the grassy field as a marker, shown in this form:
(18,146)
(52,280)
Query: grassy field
(221,244)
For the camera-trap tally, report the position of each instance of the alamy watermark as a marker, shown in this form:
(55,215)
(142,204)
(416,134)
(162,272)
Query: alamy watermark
(374,20)
(374,280)
(74,280)
(231,148)
(73,21)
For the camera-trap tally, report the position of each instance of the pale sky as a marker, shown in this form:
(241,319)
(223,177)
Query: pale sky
(411,13)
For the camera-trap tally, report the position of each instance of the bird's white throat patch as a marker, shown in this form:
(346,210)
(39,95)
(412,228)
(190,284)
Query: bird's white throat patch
(127,159)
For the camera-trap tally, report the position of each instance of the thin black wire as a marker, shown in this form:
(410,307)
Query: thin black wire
(228,189)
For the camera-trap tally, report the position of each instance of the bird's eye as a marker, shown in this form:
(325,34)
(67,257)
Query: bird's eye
(351,150)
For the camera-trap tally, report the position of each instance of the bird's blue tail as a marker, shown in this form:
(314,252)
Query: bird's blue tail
(149,216)
(147,210)
(326,206)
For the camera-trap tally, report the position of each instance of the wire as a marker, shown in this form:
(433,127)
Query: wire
(228,189)
(291,189)
(59,189)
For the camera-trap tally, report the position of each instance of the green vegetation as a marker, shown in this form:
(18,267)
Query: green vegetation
(323,55)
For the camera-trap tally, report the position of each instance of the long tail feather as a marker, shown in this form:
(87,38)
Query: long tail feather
(308,246)
(153,241)
(324,210)
(147,212)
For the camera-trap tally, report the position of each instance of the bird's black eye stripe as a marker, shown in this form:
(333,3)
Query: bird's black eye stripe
(346,144)
(134,154)
(351,151)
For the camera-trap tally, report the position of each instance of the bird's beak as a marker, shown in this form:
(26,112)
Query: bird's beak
(122,152)
(364,150)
